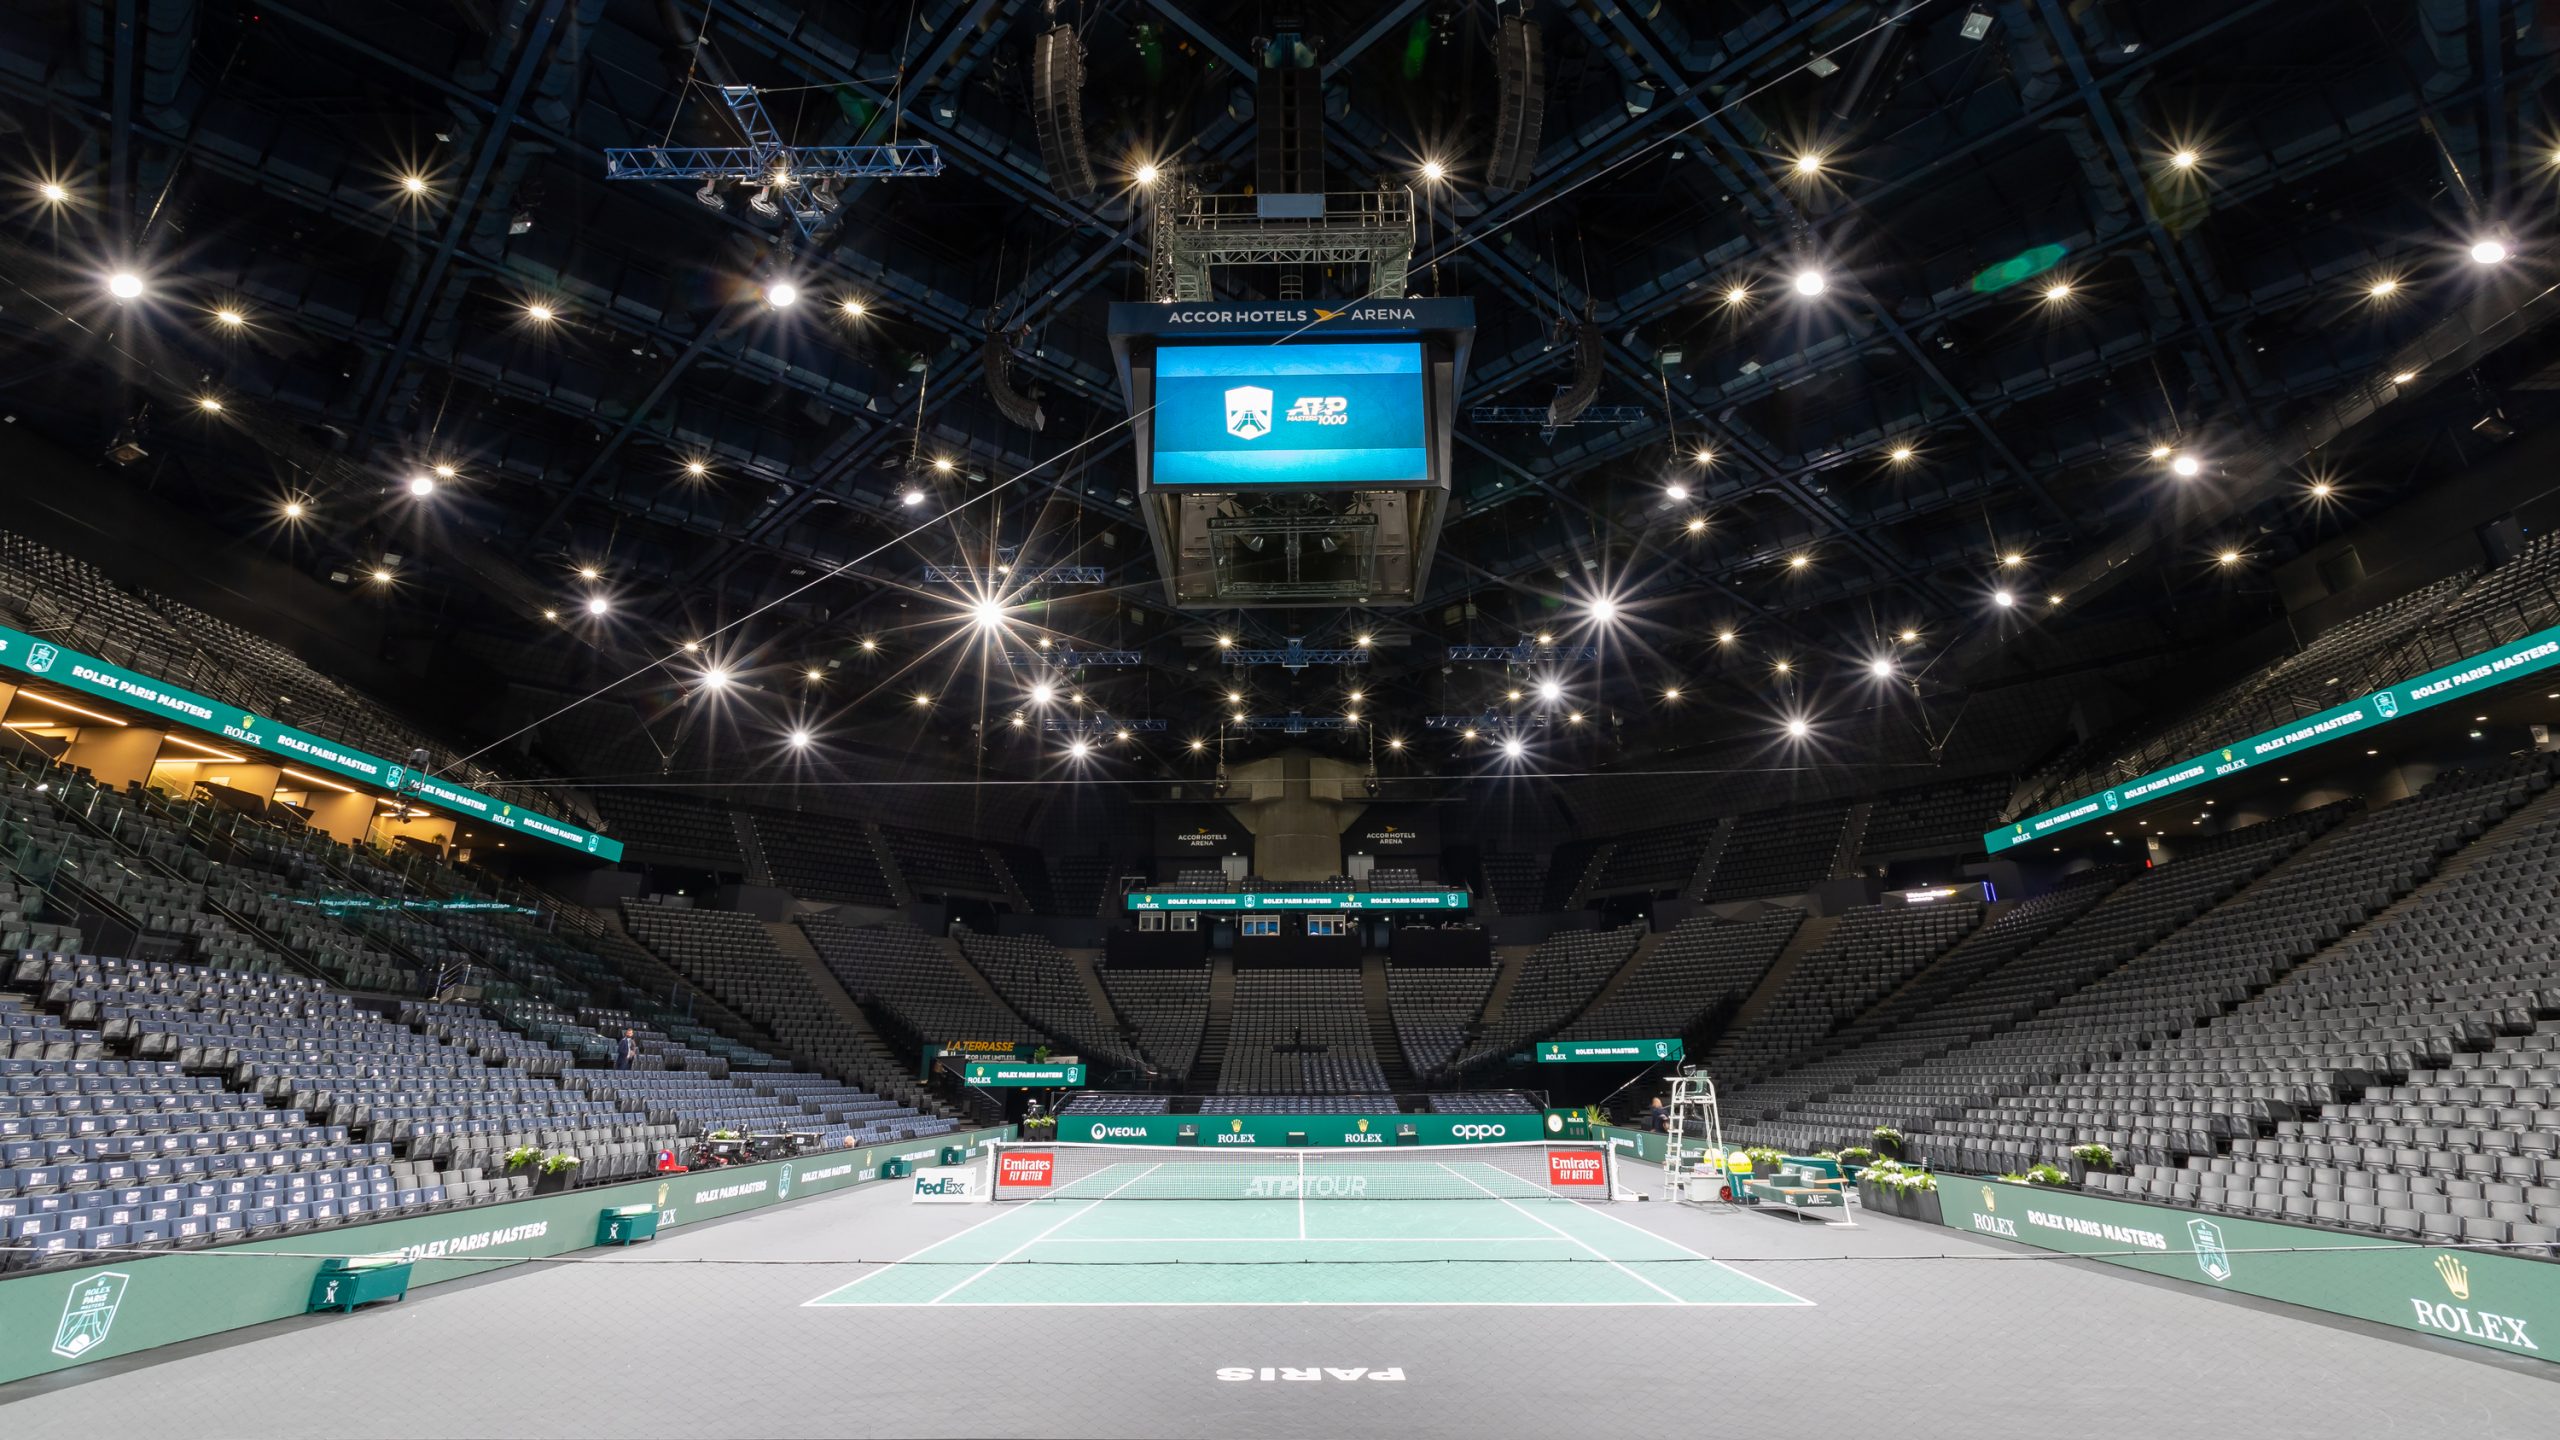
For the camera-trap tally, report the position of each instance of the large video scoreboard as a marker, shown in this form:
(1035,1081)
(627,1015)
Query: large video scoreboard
(1293,453)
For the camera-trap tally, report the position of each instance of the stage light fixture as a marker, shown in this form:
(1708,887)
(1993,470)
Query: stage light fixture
(1078,749)
(1362,641)
(1549,690)
(1148,174)
(781,294)
(2184,159)
(1909,636)
(852,307)
(1798,562)
(1675,491)
(2322,489)
(1784,667)
(1671,694)
(1724,637)
(2488,252)
(209,404)
(1798,729)
(911,499)
(1042,694)
(2159,452)
(53,192)
(598,605)
(229,318)
(1900,454)
(1604,609)
(813,675)
(923,700)
(2012,559)
(2228,557)
(2383,288)
(1880,667)
(446,472)
(2058,291)
(539,313)
(1434,171)
(125,285)
(989,613)
(799,739)
(2187,466)
(2403,377)
(422,486)
(293,510)
(1737,294)
(382,576)
(1513,748)
(1511,695)
(589,572)
(1810,282)
(2003,599)
(1697,524)
(1809,163)
(696,469)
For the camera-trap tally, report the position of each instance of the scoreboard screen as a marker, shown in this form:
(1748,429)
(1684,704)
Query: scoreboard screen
(1239,417)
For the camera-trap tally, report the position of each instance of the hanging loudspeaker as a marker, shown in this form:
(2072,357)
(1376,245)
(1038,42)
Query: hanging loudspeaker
(1520,110)
(1057,112)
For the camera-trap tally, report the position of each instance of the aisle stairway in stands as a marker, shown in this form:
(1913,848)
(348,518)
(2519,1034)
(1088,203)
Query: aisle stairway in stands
(1211,1058)
(1383,1041)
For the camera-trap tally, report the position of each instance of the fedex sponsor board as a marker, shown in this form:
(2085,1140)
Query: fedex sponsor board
(2502,1302)
(279,742)
(2462,679)
(946,1185)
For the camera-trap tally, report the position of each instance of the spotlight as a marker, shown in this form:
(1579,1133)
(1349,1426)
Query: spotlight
(1909,636)
(1354,697)
(696,469)
(923,700)
(1120,734)
(2403,377)
(1671,694)
(1078,749)
(53,192)
(813,676)
(1395,743)
(293,510)
(1235,697)
(988,613)
(1798,562)
(1604,610)
(2488,252)
(1362,641)
(1513,748)
(2003,599)
(2184,159)
(1512,694)
(1042,694)
(2229,557)
(853,308)
(1724,637)
(539,313)
(870,646)
(550,614)
(1784,667)
(422,486)
(2058,291)
(2159,452)
(1900,454)
(124,285)
(799,739)
(446,472)
(1468,734)
(209,405)
(1810,282)
(2322,489)
(941,464)
(1808,164)
(1198,745)
(782,294)
(912,498)
(1351,715)
(1737,294)
(1549,690)
(2012,559)
(598,605)
(1798,729)
(1433,170)
(414,184)
(229,319)
(1148,174)
(1239,717)
(2187,466)
(1545,638)
(1697,524)
(1880,667)
(1226,642)
(1676,491)
(382,576)
(1573,717)
(2383,288)
(589,572)
(1704,456)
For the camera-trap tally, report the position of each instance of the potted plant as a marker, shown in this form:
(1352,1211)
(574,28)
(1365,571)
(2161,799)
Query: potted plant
(1920,1197)
(558,1169)
(2043,1173)
(1880,1187)
(1889,1142)
(2091,1158)
(521,1159)
(1854,1160)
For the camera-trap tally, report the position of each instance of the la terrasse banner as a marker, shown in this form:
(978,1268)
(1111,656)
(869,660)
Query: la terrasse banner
(2512,661)
(90,675)
(2503,1302)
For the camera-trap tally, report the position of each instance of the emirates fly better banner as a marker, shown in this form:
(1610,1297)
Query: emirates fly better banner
(2460,680)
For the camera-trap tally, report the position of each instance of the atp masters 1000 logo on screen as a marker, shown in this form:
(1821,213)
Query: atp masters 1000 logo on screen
(1324,414)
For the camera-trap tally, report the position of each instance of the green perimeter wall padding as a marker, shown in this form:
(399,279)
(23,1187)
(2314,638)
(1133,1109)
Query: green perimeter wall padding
(143,1301)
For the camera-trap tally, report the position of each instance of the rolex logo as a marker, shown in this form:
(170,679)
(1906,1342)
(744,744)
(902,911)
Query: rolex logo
(1364,1124)
(2457,1276)
(1235,1127)
(1990,1198)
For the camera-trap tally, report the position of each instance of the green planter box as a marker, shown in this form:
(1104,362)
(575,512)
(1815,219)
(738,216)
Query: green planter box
(626,1224)
(344,1284)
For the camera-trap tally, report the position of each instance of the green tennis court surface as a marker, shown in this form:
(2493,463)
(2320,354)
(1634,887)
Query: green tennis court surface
(1085,1247)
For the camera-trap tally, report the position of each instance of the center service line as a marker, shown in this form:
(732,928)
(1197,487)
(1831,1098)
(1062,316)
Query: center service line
(1036,1239)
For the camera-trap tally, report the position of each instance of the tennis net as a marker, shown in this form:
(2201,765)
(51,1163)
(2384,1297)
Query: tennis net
(1519,1171)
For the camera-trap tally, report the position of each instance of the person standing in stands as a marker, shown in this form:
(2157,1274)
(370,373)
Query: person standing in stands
(627,1053)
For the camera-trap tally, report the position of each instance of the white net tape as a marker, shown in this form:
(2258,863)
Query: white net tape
(1526,1171)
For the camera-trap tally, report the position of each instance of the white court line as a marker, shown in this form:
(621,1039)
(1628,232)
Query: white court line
(980,1273)
(1710,1259)
(1595,1250)
(1028,1208)
(1318,1240)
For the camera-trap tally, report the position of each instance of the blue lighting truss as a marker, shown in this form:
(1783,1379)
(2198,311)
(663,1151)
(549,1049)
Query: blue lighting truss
(983,578)
(1065,659)
(1537,415)
(1296,657)
(1490,722)
(783,170)
(1099,725)
(1527,652)
(1295,723)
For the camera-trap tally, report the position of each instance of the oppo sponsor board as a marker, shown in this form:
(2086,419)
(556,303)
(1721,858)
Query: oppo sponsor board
(2460,680)
(2498,1301)
(280,743)
(1224,1131)
(54,1319)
